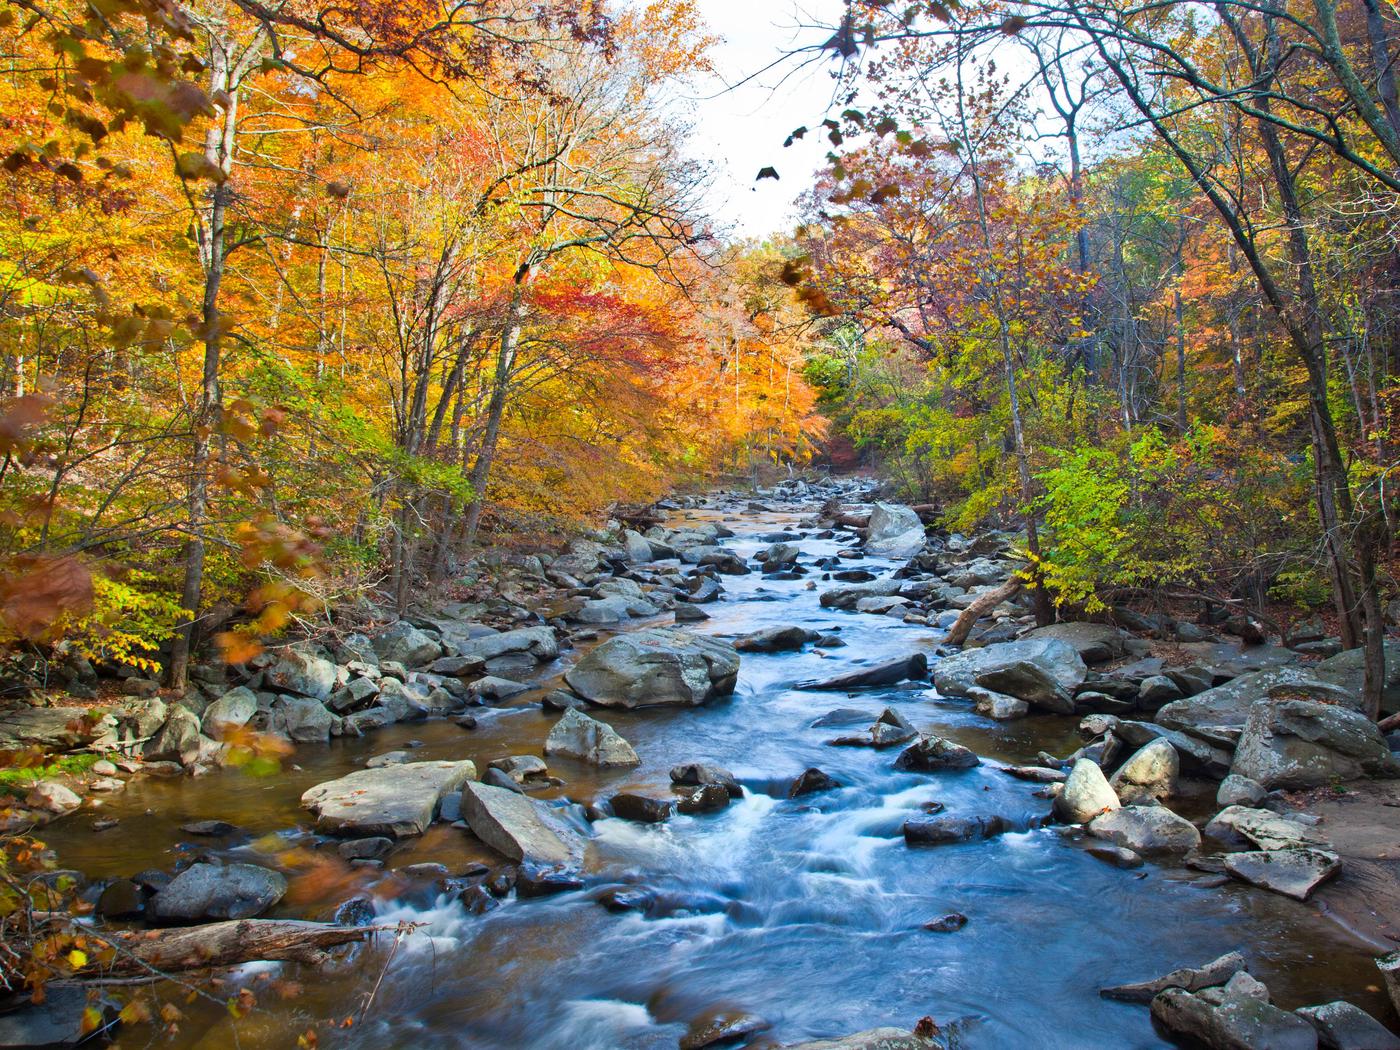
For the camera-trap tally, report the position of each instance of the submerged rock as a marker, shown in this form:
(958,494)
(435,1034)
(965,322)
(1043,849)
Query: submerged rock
(657,667)
(397,801)
(1295,871)
(874,1039)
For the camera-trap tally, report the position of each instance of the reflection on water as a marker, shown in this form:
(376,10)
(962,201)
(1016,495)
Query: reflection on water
(807,912)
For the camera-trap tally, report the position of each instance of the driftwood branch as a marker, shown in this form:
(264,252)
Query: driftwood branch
(962,626)
(230,943)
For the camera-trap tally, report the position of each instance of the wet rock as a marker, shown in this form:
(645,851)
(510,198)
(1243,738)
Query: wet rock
(1150,773)
(1118,856)
(396,801)
(539,642)
(60,1020)
(932,754)
(388,758)
(210,828)
(518,827)
(213,891)
(1043,672)
(874,1039)
(810,782)
(894,531)
(496,778)
(775,640)
(700,773)
(1342,1026)
(944,830)
(1095,643)
(300,671)
(700,590)
(1236,825)
(121,899)
(707,798)
(841,716)
(1216,972)
(1294,871)
(1036,774)
(1304,743)
(521,768)
(1238,1022)
(374,848)
(722,1028)
(779,555)
(950,923)
(1146,829)
(891,673)
(999,706)
(545,880)
(497,689)
(641,808)
(1086,795)
(178,740)
(847,597)
(690,614)
(52,797)
(231,711)
(656,667)
(1236,790)
(578,736)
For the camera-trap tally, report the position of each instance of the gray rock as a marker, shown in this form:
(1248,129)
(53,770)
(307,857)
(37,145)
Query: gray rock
(998,706)
(1236,825)
(578,736)
(779,555)
(774,640)
(1230,704)
(1216,972)
(493,688)
(539,642)
(890,673)
(1150,773)
(1341,1026)
(847,597)
(52,797)
(637,546)
(355,694)
(1236,790)
(1295,872)
(231,711)
(700,773)
(894,531)
(301,672)
(612,609)
(1146,829)
(1347,671)
(396,801)
(657,667)
(58,1021)
(1158,689)
(1043,672)
(305,720)
(874,1039)
(1303,743)
(176,741)
(214,891)
(641,809)
(933,754)
(518,827)
(1239,1022)
(1389,966)
(1094,642)
(944,830)
(1087,793)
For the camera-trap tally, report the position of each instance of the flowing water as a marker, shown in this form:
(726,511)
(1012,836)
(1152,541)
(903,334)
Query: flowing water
(807,912)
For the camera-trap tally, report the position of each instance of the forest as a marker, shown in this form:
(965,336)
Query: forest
(378,377)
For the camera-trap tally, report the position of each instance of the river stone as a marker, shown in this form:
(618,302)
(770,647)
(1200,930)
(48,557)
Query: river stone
(305,720)
(944,830)
(779,555)
(774,640)
(998,706)
(612,609)
(1297,744)
(637,546)
(1389,966)
(1231,703)
(214,891)
(1095,643)
(700,773)
(1236,790)
(641,809)
(933,754)
(300,672)
(1215,972)
(873,1039)
(397,801)
(1239,1022)
(1146,829)
(1342,1026)
(1086,794)
(657,667)
(1263,829)
(891,673)
(894,531)
(539,642)
(722,1027)
(176,741)
(518,827)
(60,1020)
(52,797)
(589,740)
(231,711)
(847,597)
(53,728)
(1347,671)
(1150,773)
(811,782)
(1044,672)
(1295,872)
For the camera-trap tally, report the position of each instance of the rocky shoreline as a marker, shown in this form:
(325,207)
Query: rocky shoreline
(1166,710)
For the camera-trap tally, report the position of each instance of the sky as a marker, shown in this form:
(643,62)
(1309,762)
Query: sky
(740,127)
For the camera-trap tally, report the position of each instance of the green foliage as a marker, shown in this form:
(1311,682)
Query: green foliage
(17,780)
(129,620)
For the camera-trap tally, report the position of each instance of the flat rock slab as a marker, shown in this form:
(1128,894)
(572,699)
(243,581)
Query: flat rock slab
(397,801)
(518,827)
(1193,979)
(50,727)
(891,673)
(1295,872)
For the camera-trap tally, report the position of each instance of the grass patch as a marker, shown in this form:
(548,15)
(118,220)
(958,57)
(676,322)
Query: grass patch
(18,780)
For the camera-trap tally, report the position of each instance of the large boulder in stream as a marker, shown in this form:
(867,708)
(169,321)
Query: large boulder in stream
(847,597)
(663,666)
(1094,642)
(397,801)
(1297,744)
(890,673)
(1044,672)
(1086,794)
(775,640)
(518,827)
(217,891)
(1230,704)
(588,740)
(1146,829)
(894,531)
(1235,1017)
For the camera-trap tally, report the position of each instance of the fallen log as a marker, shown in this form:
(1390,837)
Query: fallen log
(962,626)
(220,944)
